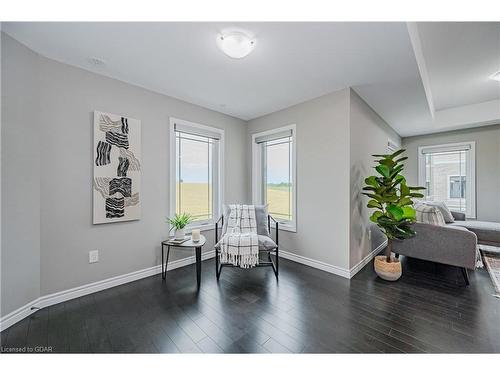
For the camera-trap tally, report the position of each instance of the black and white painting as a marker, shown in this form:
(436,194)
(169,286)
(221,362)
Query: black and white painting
(117,168)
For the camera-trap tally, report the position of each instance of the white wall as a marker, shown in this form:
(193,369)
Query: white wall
(322,176)
(50,149)
(487,164)
(369,134)
(20,258)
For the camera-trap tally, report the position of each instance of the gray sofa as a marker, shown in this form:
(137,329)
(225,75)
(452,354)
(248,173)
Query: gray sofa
(487,232)
(453,244)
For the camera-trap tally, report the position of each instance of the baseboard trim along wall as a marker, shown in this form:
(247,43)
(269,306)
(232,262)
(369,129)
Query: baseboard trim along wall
(344,272)
(66,295)
(354,270)
(340,271)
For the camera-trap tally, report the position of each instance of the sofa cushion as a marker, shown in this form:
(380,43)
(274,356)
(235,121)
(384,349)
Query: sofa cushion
(260,218)
(445,211)
(428,214)
(265,243)
(487,232)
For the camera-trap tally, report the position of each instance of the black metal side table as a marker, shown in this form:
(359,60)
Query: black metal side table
(189,244)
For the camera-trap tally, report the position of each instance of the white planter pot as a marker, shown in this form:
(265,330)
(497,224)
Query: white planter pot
(180,234)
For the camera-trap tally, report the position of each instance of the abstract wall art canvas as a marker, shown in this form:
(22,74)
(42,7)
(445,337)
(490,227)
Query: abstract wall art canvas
(117,168)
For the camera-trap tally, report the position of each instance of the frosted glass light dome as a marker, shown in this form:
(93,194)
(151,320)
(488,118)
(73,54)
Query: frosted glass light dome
(236,44)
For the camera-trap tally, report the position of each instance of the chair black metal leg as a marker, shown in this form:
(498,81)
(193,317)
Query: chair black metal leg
(277,264)
(218,267)
(465,274)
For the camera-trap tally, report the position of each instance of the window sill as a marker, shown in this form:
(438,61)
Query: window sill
(201,227)
(285,227)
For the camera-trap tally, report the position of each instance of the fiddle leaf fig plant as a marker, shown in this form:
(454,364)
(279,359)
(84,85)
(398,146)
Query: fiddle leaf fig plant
(392,199)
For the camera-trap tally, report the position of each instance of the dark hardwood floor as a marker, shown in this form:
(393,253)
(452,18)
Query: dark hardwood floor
(248,311)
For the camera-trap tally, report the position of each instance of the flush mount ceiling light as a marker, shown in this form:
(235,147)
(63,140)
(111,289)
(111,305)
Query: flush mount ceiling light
(235,44)
(495,76)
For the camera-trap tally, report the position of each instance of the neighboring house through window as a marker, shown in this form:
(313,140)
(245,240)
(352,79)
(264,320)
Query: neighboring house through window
(448,173)
(274,174)
(457,186)
(196,160)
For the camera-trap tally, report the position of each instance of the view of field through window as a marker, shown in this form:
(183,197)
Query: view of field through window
(278,176)
(194,171)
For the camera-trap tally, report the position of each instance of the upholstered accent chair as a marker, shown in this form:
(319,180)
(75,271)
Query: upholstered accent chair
(268,247)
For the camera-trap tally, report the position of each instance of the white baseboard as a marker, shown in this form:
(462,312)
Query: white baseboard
(354,270)
(66,295)
(336,270)
(344,272)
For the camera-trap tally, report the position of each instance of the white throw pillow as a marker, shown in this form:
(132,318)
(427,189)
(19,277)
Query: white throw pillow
(447,215)
(428,214)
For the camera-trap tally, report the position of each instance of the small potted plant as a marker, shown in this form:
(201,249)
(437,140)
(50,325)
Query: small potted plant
(394,213)
(179,222)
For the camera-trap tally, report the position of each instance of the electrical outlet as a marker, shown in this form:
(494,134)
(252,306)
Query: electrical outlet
(94,256)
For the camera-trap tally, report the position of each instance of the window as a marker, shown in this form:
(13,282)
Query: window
(457,187)
(196,154)
(448,173)
(274,174)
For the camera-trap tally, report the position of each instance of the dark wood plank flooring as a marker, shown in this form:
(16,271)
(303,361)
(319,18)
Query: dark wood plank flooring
(248,311)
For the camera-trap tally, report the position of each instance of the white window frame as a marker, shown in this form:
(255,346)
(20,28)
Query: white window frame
(257,177)
(470,167)
(219,193)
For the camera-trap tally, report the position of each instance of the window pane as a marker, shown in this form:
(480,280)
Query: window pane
(446,178)
(278,178)
(194,176)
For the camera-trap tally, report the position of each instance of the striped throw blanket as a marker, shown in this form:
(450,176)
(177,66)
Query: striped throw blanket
(240,244)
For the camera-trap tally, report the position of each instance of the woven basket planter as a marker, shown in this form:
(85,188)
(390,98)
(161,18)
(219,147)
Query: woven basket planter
(387,271)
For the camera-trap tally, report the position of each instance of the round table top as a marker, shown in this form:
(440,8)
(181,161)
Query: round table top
(188,243)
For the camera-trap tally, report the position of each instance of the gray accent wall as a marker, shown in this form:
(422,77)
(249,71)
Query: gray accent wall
(322,176)
(487,164)
(21,130)
(369,134)
(47,175)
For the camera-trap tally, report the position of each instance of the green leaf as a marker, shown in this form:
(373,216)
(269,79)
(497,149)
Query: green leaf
(408,212)
(405,201)
(384,170)
(372,203)
(416,195)
(396,211)
(396,171)
(401,178)
(404,190)
(401,159)
(399,152)
(389,162)
(372,181)
(374,217)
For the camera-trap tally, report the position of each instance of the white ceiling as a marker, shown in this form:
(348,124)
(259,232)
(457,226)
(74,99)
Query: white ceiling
(460,56)
(291,63)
